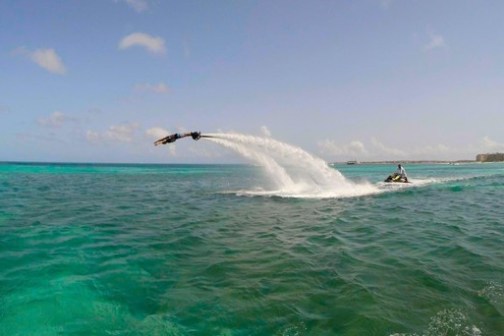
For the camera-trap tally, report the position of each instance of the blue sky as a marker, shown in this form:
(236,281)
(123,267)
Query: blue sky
(100,80)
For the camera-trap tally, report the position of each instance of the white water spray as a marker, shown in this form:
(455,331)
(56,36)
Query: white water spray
(293,171)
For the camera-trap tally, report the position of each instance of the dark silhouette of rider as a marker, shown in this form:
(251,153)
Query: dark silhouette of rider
(173,137)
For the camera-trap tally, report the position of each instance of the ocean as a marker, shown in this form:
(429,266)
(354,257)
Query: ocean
(114,249)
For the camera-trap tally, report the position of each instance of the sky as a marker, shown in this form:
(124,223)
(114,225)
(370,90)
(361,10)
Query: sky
(101,80)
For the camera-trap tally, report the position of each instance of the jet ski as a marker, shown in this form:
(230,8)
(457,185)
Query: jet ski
(396,178)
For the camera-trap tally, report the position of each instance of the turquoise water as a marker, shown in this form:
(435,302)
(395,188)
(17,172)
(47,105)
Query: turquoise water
(193,250)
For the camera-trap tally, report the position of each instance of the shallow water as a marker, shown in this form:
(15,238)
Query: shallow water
(214,250)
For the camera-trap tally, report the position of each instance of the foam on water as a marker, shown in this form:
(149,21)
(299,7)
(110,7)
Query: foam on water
(419,182)
(449,322)
(494,293)
(292,171)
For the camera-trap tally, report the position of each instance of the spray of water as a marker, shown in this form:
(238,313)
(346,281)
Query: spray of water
(292,171)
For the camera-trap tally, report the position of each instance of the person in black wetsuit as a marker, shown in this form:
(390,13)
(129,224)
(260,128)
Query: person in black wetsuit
(173,137)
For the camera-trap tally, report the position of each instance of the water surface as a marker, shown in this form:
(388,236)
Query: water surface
(192,250)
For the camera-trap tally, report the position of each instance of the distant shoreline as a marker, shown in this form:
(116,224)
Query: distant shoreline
(388,162)
(394,162)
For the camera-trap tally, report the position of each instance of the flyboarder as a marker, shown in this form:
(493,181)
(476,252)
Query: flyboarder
(173,137)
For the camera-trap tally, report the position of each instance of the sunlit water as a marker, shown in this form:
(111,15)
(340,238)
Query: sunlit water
(224,250)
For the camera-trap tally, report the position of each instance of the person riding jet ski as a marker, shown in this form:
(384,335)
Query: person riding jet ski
(398,176)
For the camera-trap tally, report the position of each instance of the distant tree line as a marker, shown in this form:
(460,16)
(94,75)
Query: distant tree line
(490,157)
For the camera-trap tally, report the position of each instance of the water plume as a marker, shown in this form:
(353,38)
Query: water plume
(292,171)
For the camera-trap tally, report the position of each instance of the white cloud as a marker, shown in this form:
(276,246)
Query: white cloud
(432,150)
(376,150)
(156,132)
(354,148)
(491,145)
(138,5)
(115,133)
(160,88)
(436,41)
(121,133)
(155,45)
(47,59)
(386,149)
(265,131)
(55,120)
(93,136)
